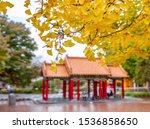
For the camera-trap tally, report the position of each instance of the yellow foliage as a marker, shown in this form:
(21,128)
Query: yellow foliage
(61,61)
(26,3)
(49,52)
(115,30)
(4,5)
(50,44)
(68,43)
(53,67)
(28,12)
(62,50)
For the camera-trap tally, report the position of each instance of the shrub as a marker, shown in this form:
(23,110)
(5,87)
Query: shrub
(138,94)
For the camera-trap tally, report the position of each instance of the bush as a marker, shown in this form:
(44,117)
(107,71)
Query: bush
(21,91)
(37,85)
(138,94)
(3,91)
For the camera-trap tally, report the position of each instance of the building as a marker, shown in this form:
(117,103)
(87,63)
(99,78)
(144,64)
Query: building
(76,68)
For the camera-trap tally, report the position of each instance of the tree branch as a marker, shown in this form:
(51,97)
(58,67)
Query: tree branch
(123,28)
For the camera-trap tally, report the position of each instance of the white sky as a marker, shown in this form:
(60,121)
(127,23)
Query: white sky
(17,13)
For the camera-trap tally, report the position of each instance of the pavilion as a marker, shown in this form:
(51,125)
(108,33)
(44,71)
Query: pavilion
(76,68)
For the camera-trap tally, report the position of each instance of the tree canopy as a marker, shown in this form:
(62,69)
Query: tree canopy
(113,30)
(4,51)
(143,71)
(16,51)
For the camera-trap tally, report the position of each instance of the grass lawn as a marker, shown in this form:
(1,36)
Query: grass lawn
(138,94)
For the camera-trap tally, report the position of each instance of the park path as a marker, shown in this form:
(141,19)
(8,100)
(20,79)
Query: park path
(126,105)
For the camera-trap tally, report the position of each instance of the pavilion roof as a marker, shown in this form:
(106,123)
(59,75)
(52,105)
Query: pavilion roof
(117,71)
(81,66)
(61,71)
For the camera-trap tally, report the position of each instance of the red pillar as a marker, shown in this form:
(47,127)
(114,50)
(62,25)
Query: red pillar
(71,85)
(43,89)
(88,88)
(100,90)
(78,90)
(95,89)
(122,88)
(64,89)
(114,86)
(69,89)
(105,90)
(46,90)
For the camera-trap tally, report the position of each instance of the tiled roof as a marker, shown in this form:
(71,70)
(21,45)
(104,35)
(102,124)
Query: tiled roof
(61,71)
(80,66)
(117,71)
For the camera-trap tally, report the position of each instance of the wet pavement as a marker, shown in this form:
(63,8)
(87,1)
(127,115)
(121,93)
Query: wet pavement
(29,103)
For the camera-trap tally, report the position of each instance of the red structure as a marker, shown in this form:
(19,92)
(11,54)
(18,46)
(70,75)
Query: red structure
(95,89)
(64,89)
(100,90)
(122,88)
(78,90)
(45,89)
(76,68)
(114,86)
(88,89)
(105,89)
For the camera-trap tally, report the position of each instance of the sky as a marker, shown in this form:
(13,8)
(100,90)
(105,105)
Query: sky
(17,13)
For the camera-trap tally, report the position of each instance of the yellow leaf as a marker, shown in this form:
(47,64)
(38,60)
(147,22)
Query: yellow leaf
(56,45)
(53,67)
(81,1)
(28,20)
(68,43)
(67,31)
(4,5)
(78,40)
(4,11)
(50,44)
(85,33)
(49,52)
(9,4)
(28,12)
(51,35)
(61,61)
(37,15)
(86,50)
(26,3)
(62,50)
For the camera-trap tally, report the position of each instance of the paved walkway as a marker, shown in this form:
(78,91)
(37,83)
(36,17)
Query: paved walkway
(28,105)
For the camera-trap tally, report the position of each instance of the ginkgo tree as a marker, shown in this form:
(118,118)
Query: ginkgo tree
(113,30)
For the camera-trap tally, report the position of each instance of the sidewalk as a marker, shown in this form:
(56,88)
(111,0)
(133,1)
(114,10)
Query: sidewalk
(125,105)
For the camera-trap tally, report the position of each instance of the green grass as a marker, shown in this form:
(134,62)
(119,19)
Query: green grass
(22,91)
(138,94)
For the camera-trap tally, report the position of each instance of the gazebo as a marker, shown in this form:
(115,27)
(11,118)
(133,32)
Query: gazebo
(76,68)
